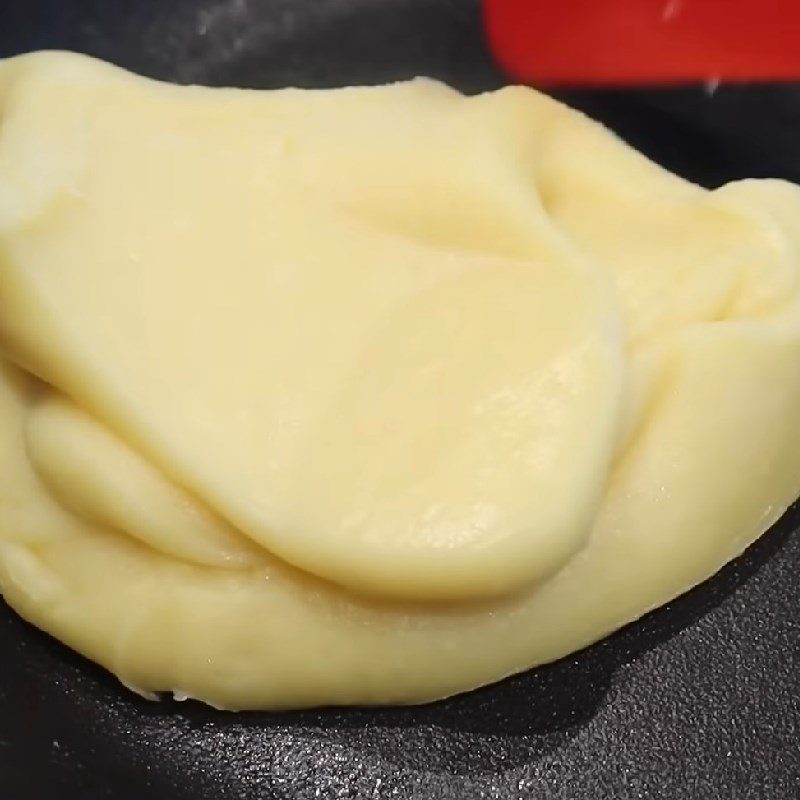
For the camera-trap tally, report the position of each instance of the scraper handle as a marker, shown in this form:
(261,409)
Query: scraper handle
(635,42)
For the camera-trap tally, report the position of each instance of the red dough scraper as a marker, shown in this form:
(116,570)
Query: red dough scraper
(635,42)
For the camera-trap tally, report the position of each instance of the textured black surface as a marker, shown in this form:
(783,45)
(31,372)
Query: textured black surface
(699,701)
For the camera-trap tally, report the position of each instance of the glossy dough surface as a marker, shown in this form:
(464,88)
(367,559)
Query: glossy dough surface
(370,395)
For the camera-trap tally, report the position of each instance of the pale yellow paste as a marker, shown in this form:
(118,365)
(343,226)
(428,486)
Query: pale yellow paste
(370,395)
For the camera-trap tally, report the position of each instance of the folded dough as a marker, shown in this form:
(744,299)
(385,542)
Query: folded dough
(370,395)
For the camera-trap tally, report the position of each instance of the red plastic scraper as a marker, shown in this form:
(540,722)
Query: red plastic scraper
(614,42)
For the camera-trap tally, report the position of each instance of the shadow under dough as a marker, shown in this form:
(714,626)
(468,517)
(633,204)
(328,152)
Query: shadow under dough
(513,721)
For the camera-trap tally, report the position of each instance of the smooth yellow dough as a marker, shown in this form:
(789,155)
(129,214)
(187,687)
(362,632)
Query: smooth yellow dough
(370,395)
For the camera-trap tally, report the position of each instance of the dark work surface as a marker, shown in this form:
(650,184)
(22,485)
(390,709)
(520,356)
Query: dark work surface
(699,701)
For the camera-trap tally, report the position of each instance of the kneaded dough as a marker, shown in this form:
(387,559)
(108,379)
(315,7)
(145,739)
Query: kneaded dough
(370,395)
